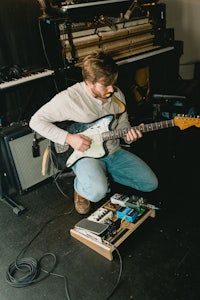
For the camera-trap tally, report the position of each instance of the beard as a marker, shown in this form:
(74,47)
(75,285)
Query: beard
(103,96)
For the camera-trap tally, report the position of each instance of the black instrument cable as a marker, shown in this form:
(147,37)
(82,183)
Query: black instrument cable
(30,269)
(120,272)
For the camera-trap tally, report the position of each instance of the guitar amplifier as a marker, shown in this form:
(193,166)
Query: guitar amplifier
(20,170)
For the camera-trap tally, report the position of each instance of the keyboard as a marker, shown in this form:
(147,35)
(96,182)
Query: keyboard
(26,77)
(66,5)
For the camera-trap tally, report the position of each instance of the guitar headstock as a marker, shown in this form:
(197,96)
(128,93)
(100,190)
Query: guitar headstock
(184,121)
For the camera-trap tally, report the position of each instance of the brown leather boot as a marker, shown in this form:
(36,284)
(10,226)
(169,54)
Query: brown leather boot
(82,205)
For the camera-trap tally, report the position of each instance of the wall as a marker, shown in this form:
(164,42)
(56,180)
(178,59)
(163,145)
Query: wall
(20,41)
(184,16)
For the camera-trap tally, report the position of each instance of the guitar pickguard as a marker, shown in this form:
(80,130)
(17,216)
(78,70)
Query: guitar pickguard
(94,131)
(66,156)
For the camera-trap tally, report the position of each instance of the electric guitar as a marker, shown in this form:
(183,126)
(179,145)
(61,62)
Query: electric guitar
(99,131)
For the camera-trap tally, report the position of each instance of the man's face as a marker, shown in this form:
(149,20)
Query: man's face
(100,90)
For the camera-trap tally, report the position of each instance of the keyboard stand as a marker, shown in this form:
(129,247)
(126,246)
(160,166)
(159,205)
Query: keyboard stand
(17,208)
(106,249)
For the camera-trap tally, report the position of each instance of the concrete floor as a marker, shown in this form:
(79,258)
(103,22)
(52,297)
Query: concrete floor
(159,261)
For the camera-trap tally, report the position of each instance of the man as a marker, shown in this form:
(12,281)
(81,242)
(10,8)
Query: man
(87,101)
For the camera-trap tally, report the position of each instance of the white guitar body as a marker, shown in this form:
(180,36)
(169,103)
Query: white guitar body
(94,131)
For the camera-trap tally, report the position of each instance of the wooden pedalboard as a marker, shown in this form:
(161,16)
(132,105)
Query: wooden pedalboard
(106,247)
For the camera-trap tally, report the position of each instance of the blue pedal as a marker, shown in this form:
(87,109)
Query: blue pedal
(132,215)
(123,212)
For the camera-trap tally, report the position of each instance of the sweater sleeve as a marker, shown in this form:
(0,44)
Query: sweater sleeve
(44,120)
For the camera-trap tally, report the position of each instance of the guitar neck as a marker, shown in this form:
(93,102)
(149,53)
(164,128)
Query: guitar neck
(119,133)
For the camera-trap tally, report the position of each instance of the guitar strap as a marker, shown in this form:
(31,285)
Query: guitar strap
(120,104)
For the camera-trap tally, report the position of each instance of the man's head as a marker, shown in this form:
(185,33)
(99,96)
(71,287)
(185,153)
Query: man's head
(100,73)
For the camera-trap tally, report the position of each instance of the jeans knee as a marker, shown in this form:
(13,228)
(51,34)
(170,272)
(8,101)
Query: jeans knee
(151,186)
(97,193)
(92,191)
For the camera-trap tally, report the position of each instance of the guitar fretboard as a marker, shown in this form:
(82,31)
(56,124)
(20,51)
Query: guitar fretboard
(119,133)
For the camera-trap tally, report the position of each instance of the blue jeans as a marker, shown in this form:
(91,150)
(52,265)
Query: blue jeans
(126,168)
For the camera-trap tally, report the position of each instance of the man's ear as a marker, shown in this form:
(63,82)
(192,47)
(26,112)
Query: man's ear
(89,83)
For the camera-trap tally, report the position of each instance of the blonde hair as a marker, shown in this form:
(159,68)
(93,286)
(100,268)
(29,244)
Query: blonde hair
(99,67)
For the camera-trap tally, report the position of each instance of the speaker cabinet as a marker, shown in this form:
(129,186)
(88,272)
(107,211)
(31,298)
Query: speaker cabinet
(20,170)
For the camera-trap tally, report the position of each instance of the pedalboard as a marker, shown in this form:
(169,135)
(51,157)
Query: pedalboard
(104,223)
(106,228)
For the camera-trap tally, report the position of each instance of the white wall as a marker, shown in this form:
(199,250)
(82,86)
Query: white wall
(184,17)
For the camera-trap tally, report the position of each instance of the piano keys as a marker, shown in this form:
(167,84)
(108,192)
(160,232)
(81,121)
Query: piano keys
(67,5)
(78,9)
(152,51)
(26,77)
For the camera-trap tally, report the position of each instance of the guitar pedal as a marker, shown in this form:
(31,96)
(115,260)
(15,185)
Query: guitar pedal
(119,199)
(122,212)
(101,215)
